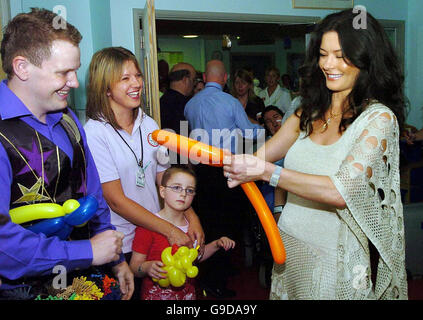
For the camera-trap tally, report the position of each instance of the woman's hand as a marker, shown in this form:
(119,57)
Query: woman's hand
(195,230)
(196,233)
(244,168)
(178,237)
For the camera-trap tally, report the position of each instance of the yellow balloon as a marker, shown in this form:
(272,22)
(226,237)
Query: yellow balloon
(182,251)
(35,212)
(167,257)
(164,282)
(178,264)
(186,262)
(176,277)
(70,205)
(192,272)
(193,254)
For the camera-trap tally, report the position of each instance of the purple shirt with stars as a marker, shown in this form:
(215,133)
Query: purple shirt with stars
(22,252)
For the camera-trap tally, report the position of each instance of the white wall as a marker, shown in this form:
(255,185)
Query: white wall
(122,16)
(414,62)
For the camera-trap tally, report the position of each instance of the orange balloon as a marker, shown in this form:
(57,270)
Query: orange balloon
(189,148)
(213,156)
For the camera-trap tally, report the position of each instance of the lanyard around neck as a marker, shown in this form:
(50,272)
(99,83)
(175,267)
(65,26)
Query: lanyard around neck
(140,162)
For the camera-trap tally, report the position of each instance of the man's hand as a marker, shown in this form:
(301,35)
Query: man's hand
(125,278)
(107,247)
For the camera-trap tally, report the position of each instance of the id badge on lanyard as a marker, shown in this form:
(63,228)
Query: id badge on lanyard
(140,177)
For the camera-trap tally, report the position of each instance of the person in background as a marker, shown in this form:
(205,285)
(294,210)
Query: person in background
(163,68)
(256,82)
(243,90)
(199,83)
(272,119)
(44,158)
(288,85)
(222,211)
(343,224)
(411,134)
(178,191)
(172,103)
(274,94)
(119,134)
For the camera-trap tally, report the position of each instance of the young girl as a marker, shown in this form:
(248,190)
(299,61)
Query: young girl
(177,190)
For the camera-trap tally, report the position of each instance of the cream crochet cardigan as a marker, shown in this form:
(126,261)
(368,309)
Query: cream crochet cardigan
(369,182)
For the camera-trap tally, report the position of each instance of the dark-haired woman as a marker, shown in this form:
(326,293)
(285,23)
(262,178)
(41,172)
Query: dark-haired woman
(342,225)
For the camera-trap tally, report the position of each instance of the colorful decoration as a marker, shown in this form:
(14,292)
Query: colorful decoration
(57,220)
(81,289)
(178,264)
(213,156)
(99,287)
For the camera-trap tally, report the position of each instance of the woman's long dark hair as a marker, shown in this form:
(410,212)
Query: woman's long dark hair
(368,49)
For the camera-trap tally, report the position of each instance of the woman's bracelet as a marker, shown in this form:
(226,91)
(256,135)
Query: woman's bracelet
(278,209)
(274,179)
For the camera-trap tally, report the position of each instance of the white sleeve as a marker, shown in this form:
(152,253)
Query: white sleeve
(284,102)
(100,150)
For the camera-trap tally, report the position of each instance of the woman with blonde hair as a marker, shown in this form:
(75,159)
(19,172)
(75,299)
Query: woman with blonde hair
(274,94)
(243,90)
(119,137)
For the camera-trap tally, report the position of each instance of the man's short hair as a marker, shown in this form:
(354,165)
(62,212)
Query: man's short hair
(179,75)
(31,35)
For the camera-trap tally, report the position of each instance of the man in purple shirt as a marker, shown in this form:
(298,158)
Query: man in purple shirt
(41,159)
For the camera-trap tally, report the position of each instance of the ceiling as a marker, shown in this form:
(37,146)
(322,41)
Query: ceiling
(248,32)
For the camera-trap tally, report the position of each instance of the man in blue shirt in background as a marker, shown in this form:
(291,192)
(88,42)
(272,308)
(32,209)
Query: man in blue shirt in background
(219,119)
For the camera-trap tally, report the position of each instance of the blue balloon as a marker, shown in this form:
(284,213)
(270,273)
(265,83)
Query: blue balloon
(48,226)
(62,226)
(87,208)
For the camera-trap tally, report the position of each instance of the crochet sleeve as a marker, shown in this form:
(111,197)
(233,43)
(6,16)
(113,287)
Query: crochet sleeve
(368,180)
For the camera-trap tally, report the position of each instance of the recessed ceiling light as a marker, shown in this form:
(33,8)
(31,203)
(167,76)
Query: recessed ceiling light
(190,36)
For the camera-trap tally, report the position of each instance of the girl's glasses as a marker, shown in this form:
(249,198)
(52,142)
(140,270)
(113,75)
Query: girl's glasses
(178,189)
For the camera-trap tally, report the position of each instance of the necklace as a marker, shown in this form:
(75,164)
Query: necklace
(328,120)
(140,174)
(139,162)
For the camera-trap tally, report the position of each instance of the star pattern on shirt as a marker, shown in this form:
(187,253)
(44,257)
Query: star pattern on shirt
(34,160)
(32,194)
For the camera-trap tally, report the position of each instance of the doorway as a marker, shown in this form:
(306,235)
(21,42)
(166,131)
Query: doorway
(257,62)
(245,31)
